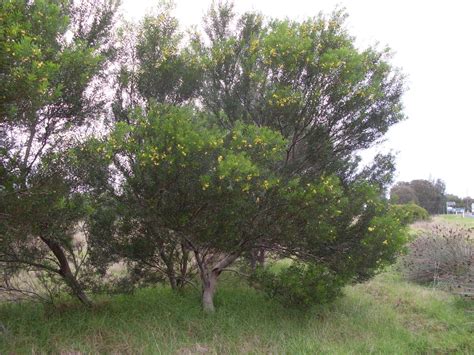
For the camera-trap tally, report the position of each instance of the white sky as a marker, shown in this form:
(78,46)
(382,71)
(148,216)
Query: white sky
(433,45)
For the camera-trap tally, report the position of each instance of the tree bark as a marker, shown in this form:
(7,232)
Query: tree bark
(170,273)
(208,290)
(65,271)
(209,275)
(261,257)
(172,280)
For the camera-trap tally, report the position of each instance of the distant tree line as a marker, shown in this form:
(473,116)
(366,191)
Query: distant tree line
(429,194)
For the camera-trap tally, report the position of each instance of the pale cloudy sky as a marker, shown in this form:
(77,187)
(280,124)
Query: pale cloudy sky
(433,43)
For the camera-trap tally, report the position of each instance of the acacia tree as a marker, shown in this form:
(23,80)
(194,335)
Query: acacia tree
(306,80)
(220,194)
(52,58)
(152,66)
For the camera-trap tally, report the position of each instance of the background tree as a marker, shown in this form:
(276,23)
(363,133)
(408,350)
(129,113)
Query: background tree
(456,199)
(428,194)
(154,64)
(467,203)
(461,202)
(403,193)
(52,57)
(431,195)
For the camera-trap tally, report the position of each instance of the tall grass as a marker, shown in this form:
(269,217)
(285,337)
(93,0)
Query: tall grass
(385,315)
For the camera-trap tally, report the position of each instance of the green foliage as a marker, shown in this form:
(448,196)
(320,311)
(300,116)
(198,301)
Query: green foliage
(182,181)
(267,162)
(155,66)
(177,184)
(427,194)
(409,213)
(307,80)
(41,67)
(167,74)
(300,285)
(52,54)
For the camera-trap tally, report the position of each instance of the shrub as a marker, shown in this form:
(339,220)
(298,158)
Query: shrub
(442,256)
(299,285)
(409,213)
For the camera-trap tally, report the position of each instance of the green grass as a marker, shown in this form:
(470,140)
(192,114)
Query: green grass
(385,315)
(456,219)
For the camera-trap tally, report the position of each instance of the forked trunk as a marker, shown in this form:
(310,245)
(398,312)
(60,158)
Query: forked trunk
(209,275)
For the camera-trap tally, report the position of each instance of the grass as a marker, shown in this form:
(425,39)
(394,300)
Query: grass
(456,219)
(385,315)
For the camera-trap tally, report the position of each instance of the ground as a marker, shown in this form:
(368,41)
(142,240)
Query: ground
(385,315)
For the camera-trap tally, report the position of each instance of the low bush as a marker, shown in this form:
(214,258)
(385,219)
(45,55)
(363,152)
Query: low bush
(409,213)
(442,256)
(299,285)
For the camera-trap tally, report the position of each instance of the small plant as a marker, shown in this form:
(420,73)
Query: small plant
(442,256)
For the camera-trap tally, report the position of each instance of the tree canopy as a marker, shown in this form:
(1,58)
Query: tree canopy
(241,140)
(52,56)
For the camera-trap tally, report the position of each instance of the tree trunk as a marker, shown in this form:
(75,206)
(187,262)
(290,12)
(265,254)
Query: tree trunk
(65,271)
(261,257)
(253,259)
(76,287)
(172,280)
(170,273)
(208,290)
(183,268)
(209,275)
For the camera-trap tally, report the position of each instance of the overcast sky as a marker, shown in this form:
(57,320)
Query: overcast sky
(434,47)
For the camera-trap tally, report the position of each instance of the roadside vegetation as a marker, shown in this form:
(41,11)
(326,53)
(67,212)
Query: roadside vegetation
(191,192)
(467,221)
(385,315)
(388,314)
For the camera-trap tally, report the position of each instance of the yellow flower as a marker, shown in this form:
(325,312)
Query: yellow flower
(266,184)
(219,159)
(371,229)
(385,242)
